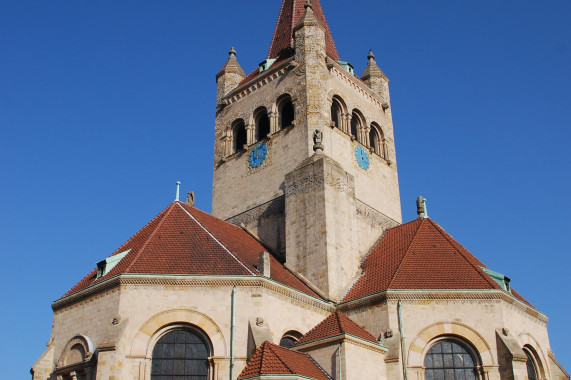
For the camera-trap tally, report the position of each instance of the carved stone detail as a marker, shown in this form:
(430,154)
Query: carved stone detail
(376,218)
(313,179)
(273,207)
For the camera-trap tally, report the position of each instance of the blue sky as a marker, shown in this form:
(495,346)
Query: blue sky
(105,105)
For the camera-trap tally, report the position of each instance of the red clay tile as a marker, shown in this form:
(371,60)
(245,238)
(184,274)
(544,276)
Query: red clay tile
(336,324)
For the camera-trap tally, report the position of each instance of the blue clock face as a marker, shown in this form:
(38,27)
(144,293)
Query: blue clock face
(258,155)
(362,157)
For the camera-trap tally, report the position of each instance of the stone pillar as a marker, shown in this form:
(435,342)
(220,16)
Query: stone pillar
(320,225)
(251,133)
(274,122)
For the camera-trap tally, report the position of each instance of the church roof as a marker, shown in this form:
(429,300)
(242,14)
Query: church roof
(334,325)
(183,240)
(420,255)
(271,359)
(291,12)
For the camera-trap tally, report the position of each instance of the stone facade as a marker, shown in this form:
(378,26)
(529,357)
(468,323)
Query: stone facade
(320,213)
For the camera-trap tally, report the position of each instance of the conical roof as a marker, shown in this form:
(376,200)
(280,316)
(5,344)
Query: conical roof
(291,12)
(183,240)
(336,324)
(420,255)
(271,359)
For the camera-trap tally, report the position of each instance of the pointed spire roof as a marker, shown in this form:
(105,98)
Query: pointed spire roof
(231,65)
(336,324)
(291,13)
(372,69)
(183,240)
(420,255)
(271,359)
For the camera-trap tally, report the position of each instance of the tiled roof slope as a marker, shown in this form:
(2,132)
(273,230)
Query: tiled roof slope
(290,14)
(270,359)
(183,240)
(336,324)
(420,255)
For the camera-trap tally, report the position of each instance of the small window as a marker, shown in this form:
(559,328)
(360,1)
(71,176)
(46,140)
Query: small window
(531,371)
(180,354)
(377,141)
(240,137)
(356,126)
(262,124)
(337,113)
(290,338)
(286,112)
(450,360)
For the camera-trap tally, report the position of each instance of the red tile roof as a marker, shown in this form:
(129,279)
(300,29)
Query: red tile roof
(270,359)
(420,255)
(334,325)
(183,240)
(290,13)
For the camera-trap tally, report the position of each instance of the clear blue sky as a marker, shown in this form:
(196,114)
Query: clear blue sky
(104,105)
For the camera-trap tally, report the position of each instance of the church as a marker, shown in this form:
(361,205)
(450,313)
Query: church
(305,268)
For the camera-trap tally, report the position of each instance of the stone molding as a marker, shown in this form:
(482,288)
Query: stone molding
(199,281)
(336,70)
(274,207)
(314,179)
(420,343)
(376,217)
(262,79)
(444,296)
(342,338)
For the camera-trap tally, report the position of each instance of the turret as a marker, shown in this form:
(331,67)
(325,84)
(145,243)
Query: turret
(229,76)
(374,77)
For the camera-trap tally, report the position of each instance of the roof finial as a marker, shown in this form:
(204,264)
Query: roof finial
(232,51)
(421,207)
(308,5)
(177,191)
(371,56)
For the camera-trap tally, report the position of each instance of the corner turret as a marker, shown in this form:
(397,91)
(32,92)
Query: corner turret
(229,76)
(377,81)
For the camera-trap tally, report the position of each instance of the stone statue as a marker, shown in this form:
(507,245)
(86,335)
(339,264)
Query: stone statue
(317,141)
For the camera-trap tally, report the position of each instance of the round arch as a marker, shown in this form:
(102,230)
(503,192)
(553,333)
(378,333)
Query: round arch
(147,333)
(419,345)
(529,343)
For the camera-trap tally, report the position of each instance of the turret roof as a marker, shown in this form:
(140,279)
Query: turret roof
(183,240)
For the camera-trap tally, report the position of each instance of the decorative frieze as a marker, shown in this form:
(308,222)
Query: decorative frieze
(274,207)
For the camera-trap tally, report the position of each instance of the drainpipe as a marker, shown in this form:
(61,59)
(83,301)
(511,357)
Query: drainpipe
(403,352)
(340,361)
(232,328)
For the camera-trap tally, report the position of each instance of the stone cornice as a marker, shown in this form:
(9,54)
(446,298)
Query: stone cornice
(198,281)
(429,294)
(273,73)
(342,338)
(358,84)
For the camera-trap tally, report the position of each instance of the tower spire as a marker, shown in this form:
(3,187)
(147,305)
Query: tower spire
(291,12)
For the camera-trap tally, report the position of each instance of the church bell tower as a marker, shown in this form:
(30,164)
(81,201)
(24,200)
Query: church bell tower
(304,152)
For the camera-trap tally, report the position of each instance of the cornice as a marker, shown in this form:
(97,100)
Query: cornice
(198,281)
(336,69)
(273,73)
(437,294)
(342,338)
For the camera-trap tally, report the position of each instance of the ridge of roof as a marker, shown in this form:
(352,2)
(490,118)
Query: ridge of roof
(218,241)
(291,11)
(336,324)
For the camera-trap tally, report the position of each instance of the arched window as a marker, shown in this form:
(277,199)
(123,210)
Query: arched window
(336,113)
(262,123)
(180,354)
(239,135)
(290,338)
(449,359)
(356,125)
(286,112)
(377,140)
(533,364)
